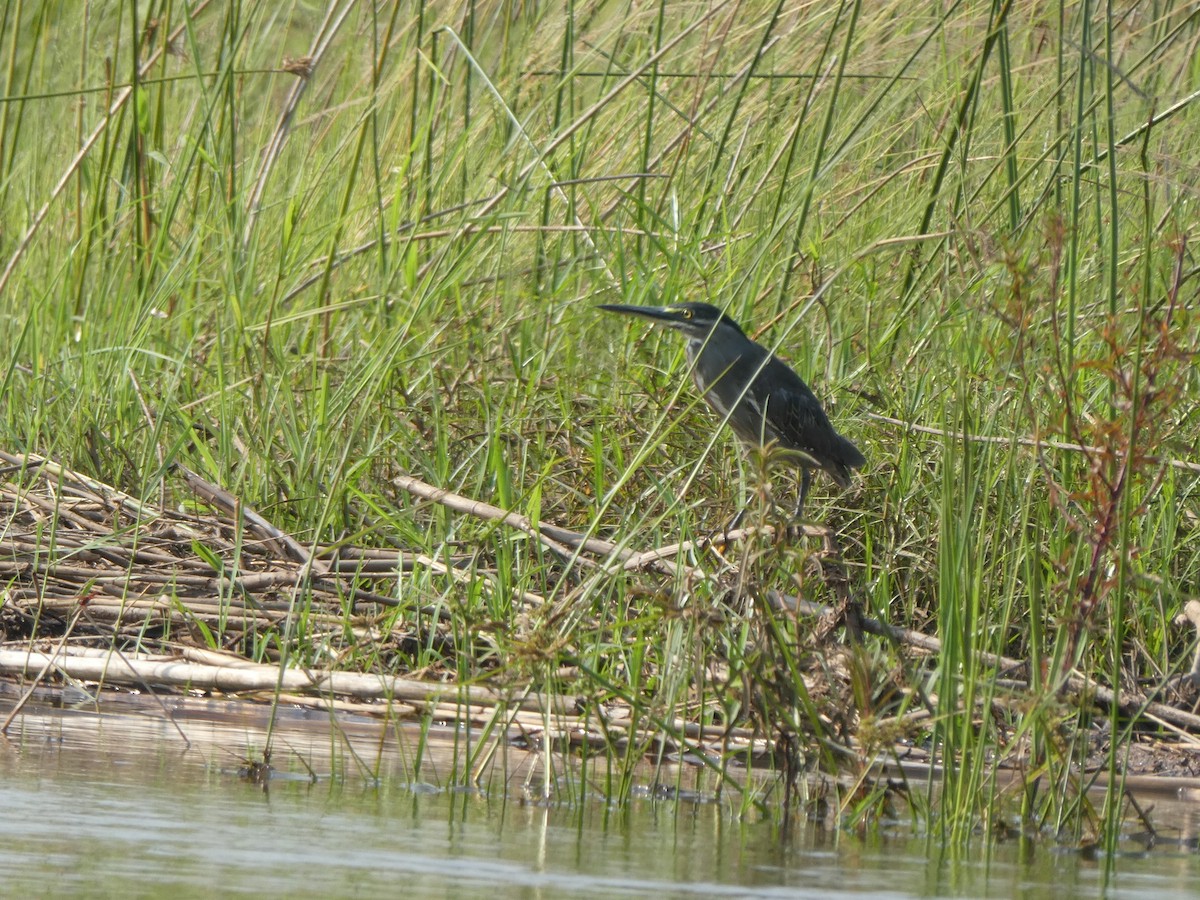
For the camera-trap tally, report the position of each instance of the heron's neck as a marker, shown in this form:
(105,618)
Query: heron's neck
(697,343)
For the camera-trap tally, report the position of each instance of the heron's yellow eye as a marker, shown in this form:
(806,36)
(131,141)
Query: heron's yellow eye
(687,313)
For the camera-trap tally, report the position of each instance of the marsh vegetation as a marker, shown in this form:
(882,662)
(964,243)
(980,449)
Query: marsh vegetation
(296,291)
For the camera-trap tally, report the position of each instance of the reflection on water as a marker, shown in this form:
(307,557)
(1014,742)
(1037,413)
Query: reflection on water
(116,803)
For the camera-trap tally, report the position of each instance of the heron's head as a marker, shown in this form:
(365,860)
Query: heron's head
(696,320)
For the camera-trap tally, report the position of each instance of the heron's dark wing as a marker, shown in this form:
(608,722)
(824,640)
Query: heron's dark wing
(801,423)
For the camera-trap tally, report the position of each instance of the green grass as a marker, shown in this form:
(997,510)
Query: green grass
(974,219)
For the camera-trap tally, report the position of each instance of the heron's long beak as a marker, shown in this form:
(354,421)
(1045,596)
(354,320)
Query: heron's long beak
(657,313)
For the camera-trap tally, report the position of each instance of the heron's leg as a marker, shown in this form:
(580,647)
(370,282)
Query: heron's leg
(805,481)
(734,523)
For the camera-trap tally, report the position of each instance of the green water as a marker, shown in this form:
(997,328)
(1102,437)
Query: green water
(116,804)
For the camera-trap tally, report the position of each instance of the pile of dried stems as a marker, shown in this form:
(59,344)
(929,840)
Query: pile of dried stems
(88,570)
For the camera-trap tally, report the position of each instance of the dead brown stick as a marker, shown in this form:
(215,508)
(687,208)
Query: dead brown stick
(79,484)
(529,708)
(129,669)
(125,580)
(554,537)
(668,551)
(480,510)
(287,546)
(1127,701)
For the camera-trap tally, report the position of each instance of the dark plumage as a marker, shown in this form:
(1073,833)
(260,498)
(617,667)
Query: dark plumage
(764,401)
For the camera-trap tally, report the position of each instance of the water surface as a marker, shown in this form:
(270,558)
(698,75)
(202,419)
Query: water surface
(116,803)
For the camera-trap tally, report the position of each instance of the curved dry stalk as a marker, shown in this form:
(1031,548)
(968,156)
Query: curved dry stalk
(1181,464)
(324,37)
(567,544)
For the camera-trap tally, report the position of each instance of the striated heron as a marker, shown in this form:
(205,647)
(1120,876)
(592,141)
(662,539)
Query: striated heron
(764,401)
